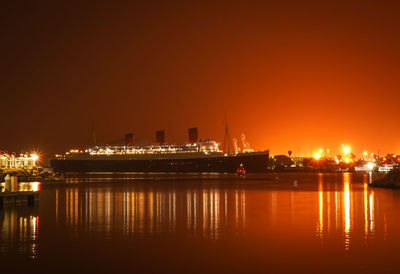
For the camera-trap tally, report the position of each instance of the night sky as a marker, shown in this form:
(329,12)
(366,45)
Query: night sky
(289,74)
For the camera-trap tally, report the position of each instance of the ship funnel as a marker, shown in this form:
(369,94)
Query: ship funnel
(160,137)
(129,139)
(193,135)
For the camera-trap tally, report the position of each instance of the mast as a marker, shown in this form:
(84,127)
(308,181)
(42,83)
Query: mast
(227,145)
(94,140)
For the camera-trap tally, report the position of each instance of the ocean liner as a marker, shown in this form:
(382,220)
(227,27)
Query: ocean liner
(198,155)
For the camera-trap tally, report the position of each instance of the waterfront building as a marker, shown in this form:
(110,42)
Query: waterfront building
(22,161)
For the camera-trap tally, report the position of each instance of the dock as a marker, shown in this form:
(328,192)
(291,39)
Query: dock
(18,198)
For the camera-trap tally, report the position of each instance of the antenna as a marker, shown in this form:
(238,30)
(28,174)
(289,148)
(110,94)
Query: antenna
(227,138)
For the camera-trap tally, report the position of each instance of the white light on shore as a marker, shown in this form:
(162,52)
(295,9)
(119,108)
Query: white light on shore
(370,166)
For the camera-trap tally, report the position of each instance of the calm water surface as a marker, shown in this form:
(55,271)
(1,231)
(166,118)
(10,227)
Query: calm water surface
(155,223)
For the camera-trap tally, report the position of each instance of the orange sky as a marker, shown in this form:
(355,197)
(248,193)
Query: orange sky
(290,75)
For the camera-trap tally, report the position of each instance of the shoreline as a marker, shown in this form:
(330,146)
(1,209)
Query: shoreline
(36,174)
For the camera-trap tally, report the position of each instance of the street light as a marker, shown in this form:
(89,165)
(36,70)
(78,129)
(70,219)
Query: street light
(346,149)
(317,156)
(34,157)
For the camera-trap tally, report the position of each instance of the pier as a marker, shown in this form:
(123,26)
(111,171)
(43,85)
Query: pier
(18,198)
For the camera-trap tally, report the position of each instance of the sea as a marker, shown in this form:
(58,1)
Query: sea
(204,223)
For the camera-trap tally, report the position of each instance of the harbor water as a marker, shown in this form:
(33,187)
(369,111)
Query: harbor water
(204,223)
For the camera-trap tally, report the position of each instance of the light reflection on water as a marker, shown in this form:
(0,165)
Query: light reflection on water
(346,206)
(211,210)
(338,211)
(136,212)
(19,226)
(347,209)
(19,232)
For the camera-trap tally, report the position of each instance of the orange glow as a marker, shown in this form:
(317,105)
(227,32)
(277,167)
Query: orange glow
(266,58)
(346,149)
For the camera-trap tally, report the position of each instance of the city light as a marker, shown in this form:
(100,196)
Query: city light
(21,161)
(317,156)
(34,157)
(346,149)
(370,166)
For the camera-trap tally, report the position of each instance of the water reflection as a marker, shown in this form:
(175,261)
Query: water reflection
(199,212)
(19,232)
(19,226)
(347,205)
(320,226)
(338,208)
(342,206)
(347,209)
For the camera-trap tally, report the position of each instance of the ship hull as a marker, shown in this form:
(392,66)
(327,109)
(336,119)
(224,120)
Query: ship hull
(253,162)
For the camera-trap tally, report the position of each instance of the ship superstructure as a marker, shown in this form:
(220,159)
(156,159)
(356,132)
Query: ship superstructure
(201,148)
(198,155)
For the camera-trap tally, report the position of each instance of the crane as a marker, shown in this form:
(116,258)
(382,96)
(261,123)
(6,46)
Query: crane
(246,145)
(235,146)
